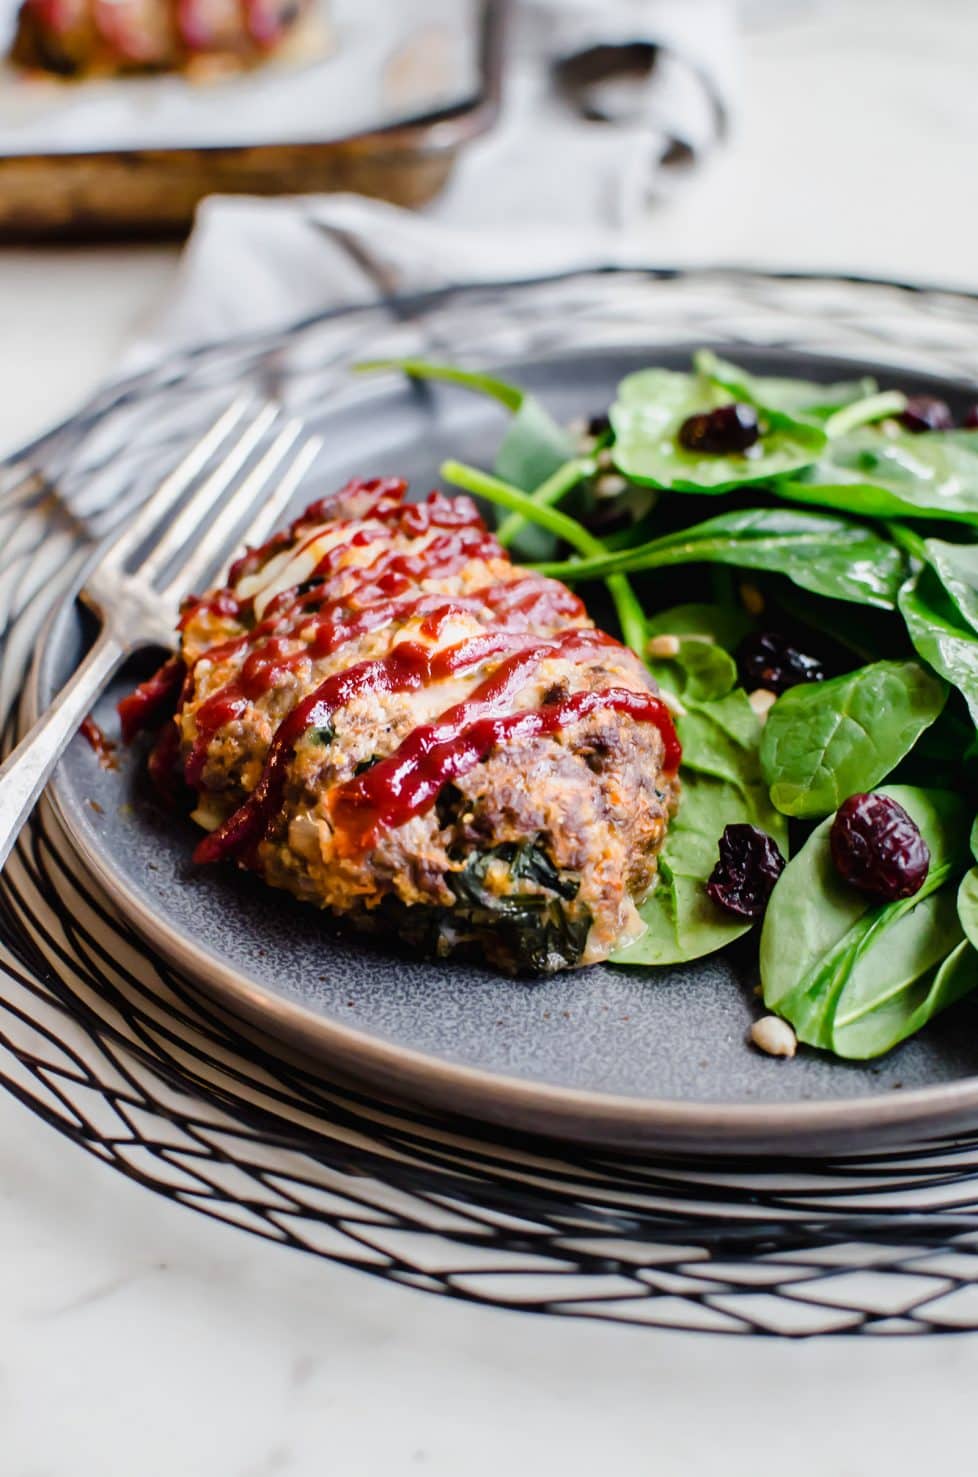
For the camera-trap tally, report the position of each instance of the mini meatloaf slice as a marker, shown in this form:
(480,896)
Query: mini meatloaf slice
(383,715)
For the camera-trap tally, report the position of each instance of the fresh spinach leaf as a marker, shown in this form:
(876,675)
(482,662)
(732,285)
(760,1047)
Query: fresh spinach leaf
(716,738)
(856,977)
(699,672)
(968,905)
(533,452)
(946,750)
(828,555)
(956,566)
(802,399)
(968,893)
(726,625)
(631,616)
(900,475)
(702,670)
(921,989)
(722,785)
(940,636)
(651,406)
(825,741)
(534,447)
(836,408)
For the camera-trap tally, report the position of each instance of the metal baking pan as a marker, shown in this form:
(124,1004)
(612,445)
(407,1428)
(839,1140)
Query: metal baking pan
(95,193)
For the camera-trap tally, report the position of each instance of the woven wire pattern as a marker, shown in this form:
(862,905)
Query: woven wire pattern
(115,1050)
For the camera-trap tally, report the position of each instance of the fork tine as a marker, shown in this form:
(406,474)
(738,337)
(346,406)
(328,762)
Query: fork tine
(274,506)
(175,485)
(188,521)
(216,540)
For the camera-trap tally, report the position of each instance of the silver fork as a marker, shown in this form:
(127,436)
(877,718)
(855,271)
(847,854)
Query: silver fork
(136,598)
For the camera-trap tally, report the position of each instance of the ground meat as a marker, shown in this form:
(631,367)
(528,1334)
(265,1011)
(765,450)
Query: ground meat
(303,704)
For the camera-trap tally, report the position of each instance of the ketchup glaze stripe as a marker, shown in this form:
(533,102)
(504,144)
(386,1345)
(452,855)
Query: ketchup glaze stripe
(346,603)
(517,602)
(393,571)
(153,700)
(408,667)
(377,495)
(408,782)
(269,662)
(149,703)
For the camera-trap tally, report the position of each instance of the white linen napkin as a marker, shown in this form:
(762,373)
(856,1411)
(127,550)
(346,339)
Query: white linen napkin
(554,186)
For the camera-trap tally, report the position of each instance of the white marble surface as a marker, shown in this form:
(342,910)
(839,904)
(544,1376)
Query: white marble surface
(137,1340)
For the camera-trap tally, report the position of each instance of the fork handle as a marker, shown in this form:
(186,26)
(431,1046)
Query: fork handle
(28,768)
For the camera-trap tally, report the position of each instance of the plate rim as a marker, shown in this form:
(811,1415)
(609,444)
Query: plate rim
(585,1116)
(572,1114)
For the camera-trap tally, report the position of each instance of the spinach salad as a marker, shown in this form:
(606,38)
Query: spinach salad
(797,564)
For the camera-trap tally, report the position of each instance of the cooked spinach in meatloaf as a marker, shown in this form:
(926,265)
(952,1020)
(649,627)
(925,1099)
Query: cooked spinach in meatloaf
(383,715)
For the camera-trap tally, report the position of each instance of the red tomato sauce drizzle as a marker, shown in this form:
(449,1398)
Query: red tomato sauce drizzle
(102,747)
(408,667)
(408,782)
(366,606)
(153,700)
(308,623)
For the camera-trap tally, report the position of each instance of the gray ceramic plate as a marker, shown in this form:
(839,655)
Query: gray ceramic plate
(605,1055)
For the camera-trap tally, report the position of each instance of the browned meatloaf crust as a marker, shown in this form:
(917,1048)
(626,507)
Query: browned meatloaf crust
(384,716)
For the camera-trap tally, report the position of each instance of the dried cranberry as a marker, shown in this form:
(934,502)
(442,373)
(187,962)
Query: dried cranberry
(877,847)
(769,660)
(925,413)
(743,879)
(729,428)
(970,422)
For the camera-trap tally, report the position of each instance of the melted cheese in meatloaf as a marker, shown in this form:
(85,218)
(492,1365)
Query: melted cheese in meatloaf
(383,715)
